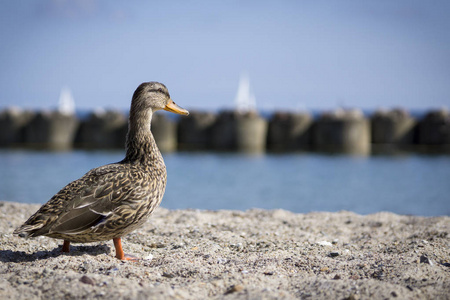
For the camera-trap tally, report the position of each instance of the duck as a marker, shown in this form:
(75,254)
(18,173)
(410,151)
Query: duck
(111,201)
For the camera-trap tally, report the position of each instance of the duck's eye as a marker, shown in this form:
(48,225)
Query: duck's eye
(160,90)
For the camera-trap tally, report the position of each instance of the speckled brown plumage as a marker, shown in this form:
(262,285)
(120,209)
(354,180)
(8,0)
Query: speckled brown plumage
(112,200)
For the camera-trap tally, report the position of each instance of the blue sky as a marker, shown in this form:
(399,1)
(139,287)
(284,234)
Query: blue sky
(298,54)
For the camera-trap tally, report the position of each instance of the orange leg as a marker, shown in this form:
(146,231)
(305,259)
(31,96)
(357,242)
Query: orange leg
(119,251)
(66,247)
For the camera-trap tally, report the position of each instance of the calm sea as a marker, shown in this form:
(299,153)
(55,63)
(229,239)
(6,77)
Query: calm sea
(408,184)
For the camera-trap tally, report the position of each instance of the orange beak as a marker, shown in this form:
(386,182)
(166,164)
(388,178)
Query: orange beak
(172,107)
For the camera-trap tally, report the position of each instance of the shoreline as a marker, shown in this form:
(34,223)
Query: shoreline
(257,254)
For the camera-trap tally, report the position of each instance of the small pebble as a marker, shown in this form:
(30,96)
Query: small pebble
(87,280)
(168,275)
(234,288)
(425,260)
(352,297)
(157,245)
(149,257)
(334,254)
(378,275)
(324,243)
(221,260)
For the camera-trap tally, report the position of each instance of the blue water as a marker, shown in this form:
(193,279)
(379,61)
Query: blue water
(408,184)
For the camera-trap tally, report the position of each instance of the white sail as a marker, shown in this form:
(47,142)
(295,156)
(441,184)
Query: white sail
(245,101)
(66,103)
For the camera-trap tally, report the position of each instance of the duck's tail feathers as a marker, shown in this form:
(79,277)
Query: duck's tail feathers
(27,230)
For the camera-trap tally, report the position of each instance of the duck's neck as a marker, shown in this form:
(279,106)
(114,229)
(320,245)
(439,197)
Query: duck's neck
(140,145)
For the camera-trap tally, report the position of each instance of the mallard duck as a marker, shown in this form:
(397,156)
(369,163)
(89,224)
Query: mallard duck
(110,201)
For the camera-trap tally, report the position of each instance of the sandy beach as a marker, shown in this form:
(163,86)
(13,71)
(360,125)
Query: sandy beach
(256,254)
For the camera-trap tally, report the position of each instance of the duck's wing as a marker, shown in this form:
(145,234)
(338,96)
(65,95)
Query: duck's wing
(85,202)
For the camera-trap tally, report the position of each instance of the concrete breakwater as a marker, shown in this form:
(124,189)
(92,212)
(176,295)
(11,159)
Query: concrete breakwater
(341,131)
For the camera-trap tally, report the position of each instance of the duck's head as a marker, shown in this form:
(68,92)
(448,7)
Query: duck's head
(154,96)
